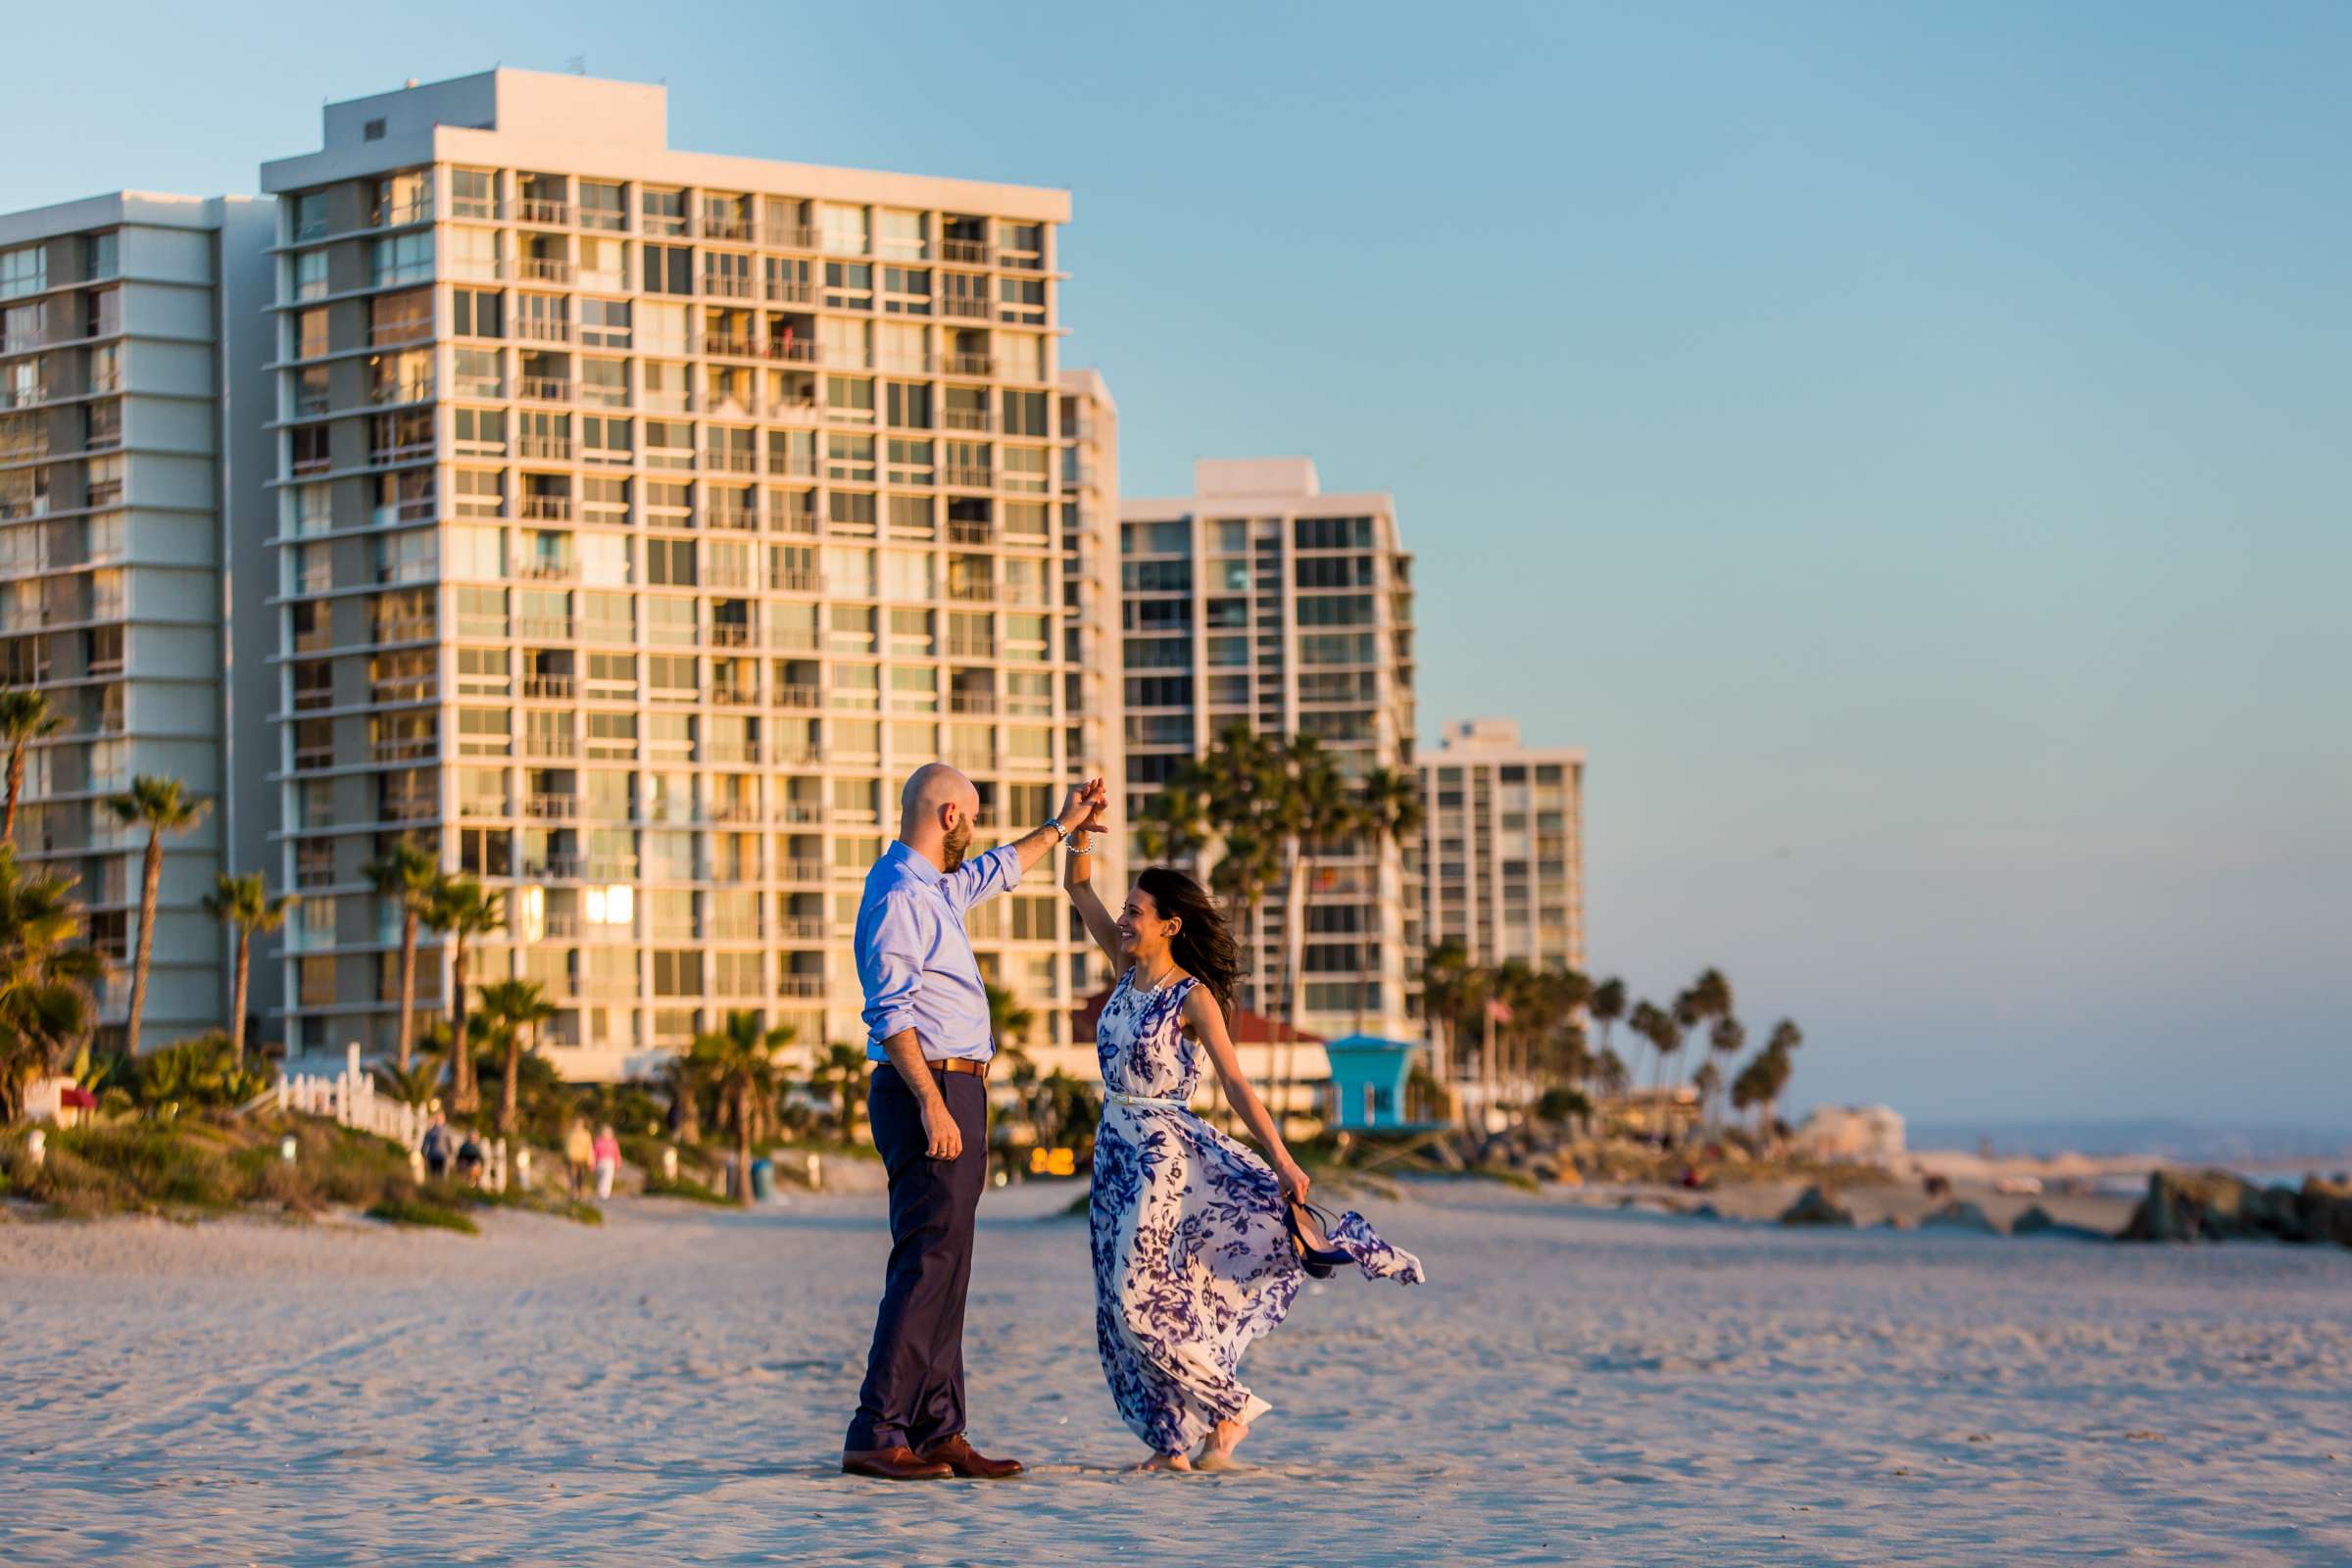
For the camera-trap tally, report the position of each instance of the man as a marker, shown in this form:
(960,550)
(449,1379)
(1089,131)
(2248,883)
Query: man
(927,1024)
(435,1147)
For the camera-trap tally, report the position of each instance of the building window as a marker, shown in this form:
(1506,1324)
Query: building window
(25,271)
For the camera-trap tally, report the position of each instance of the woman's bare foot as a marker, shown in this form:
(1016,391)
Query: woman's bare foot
(1218,1454)
(1166,1462)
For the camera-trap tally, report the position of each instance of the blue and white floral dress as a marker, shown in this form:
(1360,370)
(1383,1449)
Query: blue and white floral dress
(1193,1260)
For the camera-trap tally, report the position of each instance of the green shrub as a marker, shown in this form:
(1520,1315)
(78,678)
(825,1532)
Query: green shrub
(417,1211)
(198,1072)
(683,1187)
(1561,1103)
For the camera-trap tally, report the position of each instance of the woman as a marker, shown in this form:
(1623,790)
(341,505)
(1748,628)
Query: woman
(608,1160)
(1192,1245)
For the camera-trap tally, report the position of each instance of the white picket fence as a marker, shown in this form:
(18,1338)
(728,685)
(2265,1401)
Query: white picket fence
(349,1099)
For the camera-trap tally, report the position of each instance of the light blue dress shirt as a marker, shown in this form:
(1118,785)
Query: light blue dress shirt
(914,956)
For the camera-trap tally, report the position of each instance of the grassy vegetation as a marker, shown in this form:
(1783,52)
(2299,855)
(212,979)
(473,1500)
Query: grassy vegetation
(194,1166)
(418,1211)
(685,1186)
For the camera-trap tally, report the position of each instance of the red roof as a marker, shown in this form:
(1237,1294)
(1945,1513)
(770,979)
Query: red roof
(1249,1028)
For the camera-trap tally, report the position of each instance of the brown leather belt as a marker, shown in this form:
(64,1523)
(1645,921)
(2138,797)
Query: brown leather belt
(953,1064)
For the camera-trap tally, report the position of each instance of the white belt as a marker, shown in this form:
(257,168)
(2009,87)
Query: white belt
(1146,1100)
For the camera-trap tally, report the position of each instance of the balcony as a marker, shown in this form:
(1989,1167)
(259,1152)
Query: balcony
(963,305)
(969,252)
(793,350)
(406,748)
(555,448)
(730,460)
(966,420)
(547,571)
(406,452)
(727,695)
(553,807)
(543,329)
(967,477)
(546,509)
(558,688)
(971,702)
(791,290)
(398,333)
(799,870)
(534,210)
(803,986)
(555,627)
(971,364)
(724,225)
(789,236)
(546,388)
(545,269)
(543,744)
(727,286)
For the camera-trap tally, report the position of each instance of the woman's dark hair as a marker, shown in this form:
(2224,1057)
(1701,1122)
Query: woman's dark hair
(1203,943)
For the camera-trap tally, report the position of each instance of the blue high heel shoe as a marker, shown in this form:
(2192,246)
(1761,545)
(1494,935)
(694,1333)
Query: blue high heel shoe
(1317,1261)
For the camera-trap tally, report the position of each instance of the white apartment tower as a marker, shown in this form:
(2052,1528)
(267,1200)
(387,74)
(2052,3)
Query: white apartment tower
(1502,856)
(1262,601)
(643,517)
(130,385)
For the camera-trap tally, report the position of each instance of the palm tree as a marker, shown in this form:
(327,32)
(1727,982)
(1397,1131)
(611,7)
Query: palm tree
(1607,1006)
(1318,809)
(1445,1000)
(1651,1022)
(1726,1040)
(685,1100)
(26,717)
(840,1074)
(243,901)
(517,1008)
(46,971)
(738,1059)
(406,875)
(1008,1021)
(416,1087)
(459,909)
(1390,809)
(161,806)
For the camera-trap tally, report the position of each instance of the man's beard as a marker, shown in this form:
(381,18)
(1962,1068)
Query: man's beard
(957,842)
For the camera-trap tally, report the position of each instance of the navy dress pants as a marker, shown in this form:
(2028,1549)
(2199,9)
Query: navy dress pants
(913,1389)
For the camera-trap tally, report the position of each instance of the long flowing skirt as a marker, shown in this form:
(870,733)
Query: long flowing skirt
(1193,1261)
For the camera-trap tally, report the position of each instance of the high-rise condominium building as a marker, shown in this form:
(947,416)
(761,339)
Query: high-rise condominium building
(1502,856)
(1258,600)
(129,422)
(645,517)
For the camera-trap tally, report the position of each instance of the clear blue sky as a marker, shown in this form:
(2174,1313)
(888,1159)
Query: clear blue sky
(1909,446)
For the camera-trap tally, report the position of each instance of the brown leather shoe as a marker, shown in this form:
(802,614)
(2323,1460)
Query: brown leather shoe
(966,1461)
(901,1463)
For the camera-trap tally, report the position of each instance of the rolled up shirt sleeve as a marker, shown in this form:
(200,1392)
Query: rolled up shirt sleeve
(983,877)
(889,967)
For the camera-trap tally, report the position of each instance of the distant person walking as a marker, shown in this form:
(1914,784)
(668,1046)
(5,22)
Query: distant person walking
(927,1027)
(469,1160)
(580,1155)
(435,1147)
(608,1160)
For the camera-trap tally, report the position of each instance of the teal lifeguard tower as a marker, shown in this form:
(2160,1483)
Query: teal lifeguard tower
(1367,1082)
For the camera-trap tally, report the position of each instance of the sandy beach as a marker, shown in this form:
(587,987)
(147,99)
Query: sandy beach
(1576,1383)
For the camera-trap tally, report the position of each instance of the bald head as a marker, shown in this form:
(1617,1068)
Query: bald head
(936,810)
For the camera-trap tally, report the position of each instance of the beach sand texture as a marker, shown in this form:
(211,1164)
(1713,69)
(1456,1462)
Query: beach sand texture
(1573,1386)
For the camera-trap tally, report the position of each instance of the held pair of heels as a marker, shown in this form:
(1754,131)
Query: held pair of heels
(1318,1260)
